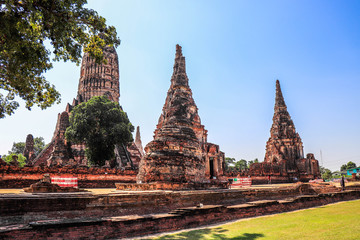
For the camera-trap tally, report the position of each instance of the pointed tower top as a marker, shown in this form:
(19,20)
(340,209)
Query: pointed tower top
(178,51)
(180,110)
(279,99)
(138,141)
(283,133)
(137,138)
(179,77)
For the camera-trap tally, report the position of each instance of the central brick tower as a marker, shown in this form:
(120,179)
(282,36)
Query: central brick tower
(95,80)
(284,144)
(99,79)
(180,152)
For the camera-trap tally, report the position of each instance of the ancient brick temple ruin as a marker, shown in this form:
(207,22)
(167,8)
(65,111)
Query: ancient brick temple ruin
(180,152)
(95,80)
(284,150)
(29,152)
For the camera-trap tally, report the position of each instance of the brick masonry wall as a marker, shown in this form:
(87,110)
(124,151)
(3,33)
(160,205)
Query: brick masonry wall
(22,209)
(122,203)
(130,226)
(14,177)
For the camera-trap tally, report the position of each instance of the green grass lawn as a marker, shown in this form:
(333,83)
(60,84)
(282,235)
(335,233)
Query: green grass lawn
(336,221)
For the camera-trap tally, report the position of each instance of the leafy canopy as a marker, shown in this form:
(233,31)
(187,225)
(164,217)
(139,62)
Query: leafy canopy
(18,148)
(100,124)
(347,166)
(326,173)
(21,159)
(233,165)
(25,27)
(241,164)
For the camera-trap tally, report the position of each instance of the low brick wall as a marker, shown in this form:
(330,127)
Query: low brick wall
(25,208)
(130,226)
(172,186)
(265,179)
(15,177)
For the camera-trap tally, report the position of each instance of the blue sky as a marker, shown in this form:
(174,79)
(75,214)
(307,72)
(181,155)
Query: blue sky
(235,51)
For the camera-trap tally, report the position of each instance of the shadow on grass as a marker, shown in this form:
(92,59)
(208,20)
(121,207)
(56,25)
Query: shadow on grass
(213,233)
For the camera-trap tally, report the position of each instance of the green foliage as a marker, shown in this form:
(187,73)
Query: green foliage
(251,162)
(100,124)
(343,167)
(232,164)
(326,174)
(19,147)
(229,163)
(230,160)
(39,145)
(25,27)
(21,159)
(241,164)
(347,166)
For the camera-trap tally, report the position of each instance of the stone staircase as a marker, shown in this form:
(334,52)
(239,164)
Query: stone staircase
(122,156)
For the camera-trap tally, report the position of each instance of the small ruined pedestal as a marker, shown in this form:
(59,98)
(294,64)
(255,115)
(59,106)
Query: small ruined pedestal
(45,186)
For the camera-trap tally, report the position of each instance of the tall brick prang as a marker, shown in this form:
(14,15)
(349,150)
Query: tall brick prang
(95,80)
(99,79)
(178,151)
(284,158)
(284,144)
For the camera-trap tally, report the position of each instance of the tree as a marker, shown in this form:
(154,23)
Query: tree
(21,159)
(252,161)
(229,163)
(350,165)
(19,147)
(326,174)
(25,28)
(347,166)
(100,124)
(343,167)
(241,164)
(39,145)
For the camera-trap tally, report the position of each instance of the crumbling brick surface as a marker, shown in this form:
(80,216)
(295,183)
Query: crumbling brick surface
(284,158)
(95,80)
(179,151)
(15,177)
(137,225)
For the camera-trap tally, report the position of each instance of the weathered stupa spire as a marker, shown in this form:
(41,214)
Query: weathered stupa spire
(138,142)
(179,105)
(284,144)
(177,152)
(179,77)
(279,99)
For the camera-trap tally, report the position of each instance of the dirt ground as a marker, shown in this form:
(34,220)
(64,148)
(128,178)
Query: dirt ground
(113,190)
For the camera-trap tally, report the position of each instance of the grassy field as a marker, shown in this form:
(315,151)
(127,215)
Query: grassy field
(336,221)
